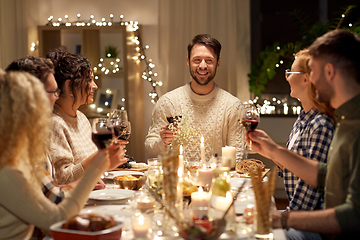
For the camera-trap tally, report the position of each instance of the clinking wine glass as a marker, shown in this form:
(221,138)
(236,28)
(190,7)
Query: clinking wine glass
(250,118)
(119,124)
(102,136)
(173,118)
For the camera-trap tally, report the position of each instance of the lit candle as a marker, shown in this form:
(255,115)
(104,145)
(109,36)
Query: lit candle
(205,176)
(200,198)
(141,226)
(221,203)
(202,150)
(145,203)
(229,155)
(181,158)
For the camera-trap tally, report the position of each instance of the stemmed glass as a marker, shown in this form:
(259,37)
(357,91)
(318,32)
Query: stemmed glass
(249,118)
(118,122)
(102,135)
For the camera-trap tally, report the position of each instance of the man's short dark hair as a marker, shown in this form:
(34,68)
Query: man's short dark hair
(38,67)
(206,40)
(342,49)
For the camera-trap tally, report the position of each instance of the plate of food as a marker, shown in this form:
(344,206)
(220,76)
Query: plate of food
(243,167)
(111,194)
(110,175)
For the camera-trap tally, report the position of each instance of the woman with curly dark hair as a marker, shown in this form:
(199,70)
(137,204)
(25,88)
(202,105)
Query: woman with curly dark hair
(71,144)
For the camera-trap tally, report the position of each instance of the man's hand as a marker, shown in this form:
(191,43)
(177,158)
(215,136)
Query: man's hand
(166,134)
(276,219)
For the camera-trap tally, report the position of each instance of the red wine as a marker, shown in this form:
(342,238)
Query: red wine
(119,130)
(173,119)
(125,136)
(250,124)
(102,139)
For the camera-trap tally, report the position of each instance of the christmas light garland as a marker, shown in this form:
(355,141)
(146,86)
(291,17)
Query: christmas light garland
(148,73)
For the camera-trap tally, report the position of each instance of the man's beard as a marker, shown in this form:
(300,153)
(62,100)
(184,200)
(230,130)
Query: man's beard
(323,90)
(210,77)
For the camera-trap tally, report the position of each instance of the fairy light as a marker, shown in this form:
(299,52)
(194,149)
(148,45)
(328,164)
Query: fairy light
(148,73)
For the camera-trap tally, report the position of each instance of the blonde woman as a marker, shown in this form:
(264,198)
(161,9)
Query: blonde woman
(25,126)
(310,137)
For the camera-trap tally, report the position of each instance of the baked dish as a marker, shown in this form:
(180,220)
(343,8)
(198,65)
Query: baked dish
(90,222)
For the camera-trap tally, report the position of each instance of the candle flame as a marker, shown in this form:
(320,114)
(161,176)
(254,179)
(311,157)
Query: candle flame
(204,166)
(202,140)
(181,149)
(200,190)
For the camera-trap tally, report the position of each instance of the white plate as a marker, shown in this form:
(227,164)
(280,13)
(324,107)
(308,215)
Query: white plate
(113,174)
(113,210)
(111,194)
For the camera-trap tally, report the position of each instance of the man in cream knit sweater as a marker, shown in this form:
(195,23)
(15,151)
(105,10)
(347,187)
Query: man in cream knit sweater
(212,111)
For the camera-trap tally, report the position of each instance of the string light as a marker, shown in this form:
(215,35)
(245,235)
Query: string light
(148,73)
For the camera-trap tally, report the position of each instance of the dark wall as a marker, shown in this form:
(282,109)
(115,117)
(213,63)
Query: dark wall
(271,22)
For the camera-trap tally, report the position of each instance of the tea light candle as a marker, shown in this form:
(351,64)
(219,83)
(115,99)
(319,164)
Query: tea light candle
(202,150)
(140,226)
(205,176)
(200,198)
(145,203)
(229,154)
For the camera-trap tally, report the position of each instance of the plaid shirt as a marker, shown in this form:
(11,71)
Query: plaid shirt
(52,191)
(313,142)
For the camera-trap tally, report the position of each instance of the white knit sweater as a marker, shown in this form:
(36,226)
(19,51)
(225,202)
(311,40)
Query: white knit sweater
(214,115)
(70,144)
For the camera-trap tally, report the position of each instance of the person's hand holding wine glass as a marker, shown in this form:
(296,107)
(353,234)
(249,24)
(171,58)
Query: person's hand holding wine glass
(249,118)
(167,131)
(102,135)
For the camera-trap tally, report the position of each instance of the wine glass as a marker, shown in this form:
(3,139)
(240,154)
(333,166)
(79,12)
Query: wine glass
(118,122)
(249,118)
(101,133)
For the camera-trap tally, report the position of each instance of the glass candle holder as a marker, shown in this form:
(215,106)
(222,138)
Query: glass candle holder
(141,226)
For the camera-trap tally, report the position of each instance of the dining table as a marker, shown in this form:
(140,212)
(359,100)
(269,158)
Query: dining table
(120,204)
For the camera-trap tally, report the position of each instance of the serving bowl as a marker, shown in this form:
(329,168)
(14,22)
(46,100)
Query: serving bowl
(202,224)
(113,233)
(124,182)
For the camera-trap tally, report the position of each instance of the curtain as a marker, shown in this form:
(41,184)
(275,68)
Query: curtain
(226,20)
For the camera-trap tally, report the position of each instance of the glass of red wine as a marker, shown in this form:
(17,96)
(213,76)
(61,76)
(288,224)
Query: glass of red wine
(250,118)
(102,135)
(119,124)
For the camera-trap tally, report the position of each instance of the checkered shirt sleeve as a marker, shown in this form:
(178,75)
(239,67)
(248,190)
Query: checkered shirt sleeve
(51,190)
(313,142)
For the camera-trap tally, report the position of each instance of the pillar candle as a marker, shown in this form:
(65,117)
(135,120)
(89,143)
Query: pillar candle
(229,153)
(205,176)
(200,198)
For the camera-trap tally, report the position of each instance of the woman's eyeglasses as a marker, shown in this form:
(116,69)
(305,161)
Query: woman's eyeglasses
(288,72)
(56,92)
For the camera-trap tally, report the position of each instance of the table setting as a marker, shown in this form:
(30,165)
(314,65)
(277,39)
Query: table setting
(177,198)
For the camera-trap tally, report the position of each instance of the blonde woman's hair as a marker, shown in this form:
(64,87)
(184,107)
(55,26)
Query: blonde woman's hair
(303,58)
(25,121)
